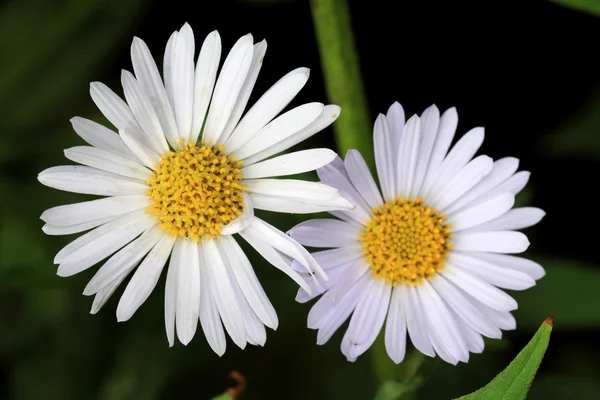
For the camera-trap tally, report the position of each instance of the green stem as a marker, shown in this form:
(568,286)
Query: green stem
(406,373)
(353,129)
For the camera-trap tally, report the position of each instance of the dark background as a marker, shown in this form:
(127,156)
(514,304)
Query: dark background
(526,70)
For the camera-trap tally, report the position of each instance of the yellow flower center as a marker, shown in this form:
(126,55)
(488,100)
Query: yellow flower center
(406,241)
(195,191)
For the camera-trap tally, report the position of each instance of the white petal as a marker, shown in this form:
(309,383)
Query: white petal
(123,261)
(361,178)
(171,294)
(148,76)
(227,89)
(107,161)
(395,329)
(430,121)
(298,206)
(169,70)
(243,220)
(223,294)
(53,230)
(368,316)
(464,307)
(282,127)
(334,296)
(518,218)
(104,294)
(481,213)
(116,110)
(289,164)
(209,314)
(462,181)
(492,241)
(86,180)
(416,322)
(329,259)
(383,157)
(445,134)
(326,233)
(90,237)
(342,309)
(329,114)
(293,188)
(473,340)
(205,77)
(462,152)
(144,279)
(272,256)
(501,171)
(529,267)
(146,155)
(502,319)
(188,290)
(318,286)
(257,59)
(93,235)
(256,333)
(101,137)
(268,106)
(499,276)
(72,214)
(287,246)
(249,284)
(144,112)
(482,291)
(408,151)
(444,331)
(107,239)
(513,185)
(183,80)
(338,178)
(396,120)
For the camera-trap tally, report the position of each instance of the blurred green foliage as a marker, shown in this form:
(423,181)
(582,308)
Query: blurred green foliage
(590,6)
(52,348)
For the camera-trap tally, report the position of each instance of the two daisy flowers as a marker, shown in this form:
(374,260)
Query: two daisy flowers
(427,255)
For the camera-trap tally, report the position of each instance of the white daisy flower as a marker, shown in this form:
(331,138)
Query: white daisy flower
(430,252)
(183,174)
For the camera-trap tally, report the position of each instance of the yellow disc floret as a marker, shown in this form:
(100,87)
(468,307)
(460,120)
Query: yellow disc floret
(406,241)
(195,191)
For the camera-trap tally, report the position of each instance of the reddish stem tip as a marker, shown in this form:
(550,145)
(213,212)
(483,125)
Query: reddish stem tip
(235,392)
(549,320)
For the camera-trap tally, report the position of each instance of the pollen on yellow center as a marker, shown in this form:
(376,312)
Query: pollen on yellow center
(195,191)
(406,241)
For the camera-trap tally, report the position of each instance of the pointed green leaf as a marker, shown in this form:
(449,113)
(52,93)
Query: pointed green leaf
(513,383)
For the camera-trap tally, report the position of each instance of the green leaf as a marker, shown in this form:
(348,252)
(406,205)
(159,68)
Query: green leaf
(575,308)
(589,6)
(353,129)
(513,383)
(223,396)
